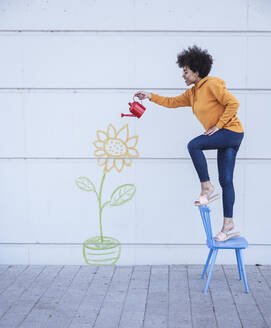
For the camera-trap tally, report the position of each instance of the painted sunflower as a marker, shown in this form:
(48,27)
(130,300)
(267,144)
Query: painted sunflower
(115,148)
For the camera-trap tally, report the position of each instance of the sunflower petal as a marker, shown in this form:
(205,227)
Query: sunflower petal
(102,161)
(119,164)
(128,161)
(98,144)
(99,153)
(111,131)
(109,164)
(123,133)
(101,135)
(133,152)
(132,142)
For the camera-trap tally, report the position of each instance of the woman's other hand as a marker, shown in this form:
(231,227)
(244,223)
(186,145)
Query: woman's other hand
(143,95)
(211,131)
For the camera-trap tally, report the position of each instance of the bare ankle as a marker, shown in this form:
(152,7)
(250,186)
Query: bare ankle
(228,220)
(206,185)
(228,224)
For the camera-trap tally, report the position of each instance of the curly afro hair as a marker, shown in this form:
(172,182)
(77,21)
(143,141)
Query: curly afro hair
(196,59)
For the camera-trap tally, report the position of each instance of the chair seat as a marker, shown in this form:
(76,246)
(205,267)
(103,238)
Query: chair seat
(236,243)
(232,243)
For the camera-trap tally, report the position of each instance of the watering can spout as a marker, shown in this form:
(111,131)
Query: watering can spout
(127,115)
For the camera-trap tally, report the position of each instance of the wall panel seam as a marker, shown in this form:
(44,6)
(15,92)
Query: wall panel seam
(75,89)
(134,159)
(112,31)
(128,244)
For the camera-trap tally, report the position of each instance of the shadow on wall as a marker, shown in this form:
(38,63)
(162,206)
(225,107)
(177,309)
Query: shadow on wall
(114,149)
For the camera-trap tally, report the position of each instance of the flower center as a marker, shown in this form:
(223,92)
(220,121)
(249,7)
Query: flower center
(115,147)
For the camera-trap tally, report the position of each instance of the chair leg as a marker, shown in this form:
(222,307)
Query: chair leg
(211,270)
(206,264)
(243,269)
(238,264)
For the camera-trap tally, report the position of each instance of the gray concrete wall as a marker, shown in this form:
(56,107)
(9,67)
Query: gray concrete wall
(68,69)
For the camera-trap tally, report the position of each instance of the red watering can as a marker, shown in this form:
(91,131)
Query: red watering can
(136,109)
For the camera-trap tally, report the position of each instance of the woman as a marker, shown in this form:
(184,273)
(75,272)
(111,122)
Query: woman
(216,108)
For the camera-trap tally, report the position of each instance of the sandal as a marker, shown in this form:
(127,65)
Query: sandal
(204,200)
(226,235)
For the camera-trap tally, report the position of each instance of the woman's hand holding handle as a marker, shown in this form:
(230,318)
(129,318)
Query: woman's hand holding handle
(211,131)
(142,95)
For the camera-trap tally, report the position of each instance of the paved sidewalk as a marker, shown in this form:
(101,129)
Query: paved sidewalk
(156,296)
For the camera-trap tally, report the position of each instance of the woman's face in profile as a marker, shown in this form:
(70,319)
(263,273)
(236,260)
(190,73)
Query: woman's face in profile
(189,76)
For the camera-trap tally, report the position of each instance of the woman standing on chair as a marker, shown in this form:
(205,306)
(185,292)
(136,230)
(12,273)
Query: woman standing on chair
(216,108)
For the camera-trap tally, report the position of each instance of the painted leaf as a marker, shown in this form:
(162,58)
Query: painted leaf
(85,184)
(122,194)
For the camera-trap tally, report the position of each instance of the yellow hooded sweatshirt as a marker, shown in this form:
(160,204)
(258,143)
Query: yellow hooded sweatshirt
(211,102)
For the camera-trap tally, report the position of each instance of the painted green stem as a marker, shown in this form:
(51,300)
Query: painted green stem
(101,207)
(105,204)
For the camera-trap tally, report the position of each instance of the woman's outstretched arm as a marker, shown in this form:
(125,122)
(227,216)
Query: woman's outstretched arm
(182,100)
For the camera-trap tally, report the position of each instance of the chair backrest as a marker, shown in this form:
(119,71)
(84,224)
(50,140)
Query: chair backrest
(205,216)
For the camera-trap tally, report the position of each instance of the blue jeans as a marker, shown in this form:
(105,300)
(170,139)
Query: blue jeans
(227,143)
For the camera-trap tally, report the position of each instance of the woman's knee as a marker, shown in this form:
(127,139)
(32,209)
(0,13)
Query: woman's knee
(226,181)
(192,144)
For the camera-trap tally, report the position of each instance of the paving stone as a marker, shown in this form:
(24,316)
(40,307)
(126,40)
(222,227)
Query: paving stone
(246,306)
(159,296)
(156,314)
(92,303)
(261,292)
(9,276)
(11,306)
(202,309)
(47,304)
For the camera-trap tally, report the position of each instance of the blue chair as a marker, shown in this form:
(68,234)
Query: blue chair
(236,243)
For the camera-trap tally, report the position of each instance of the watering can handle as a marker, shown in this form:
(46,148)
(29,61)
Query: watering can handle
(138,98)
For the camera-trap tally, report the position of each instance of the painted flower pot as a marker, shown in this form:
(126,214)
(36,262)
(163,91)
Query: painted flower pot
(96,252)
(115,149)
